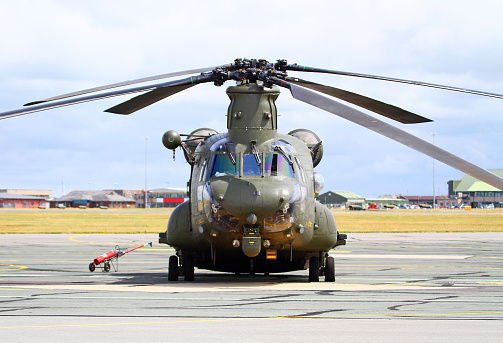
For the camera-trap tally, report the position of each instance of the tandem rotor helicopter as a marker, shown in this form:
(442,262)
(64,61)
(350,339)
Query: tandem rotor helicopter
(252,191)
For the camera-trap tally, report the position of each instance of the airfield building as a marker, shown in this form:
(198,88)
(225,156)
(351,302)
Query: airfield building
(442,201)
(166,197)
(477,194)
(341,199)
(350,200)
(12,200)
(93,199)
(31,192)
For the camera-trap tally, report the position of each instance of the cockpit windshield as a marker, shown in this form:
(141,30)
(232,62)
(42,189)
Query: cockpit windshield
(226,162)
(277,165)
(229,164)
(223,165)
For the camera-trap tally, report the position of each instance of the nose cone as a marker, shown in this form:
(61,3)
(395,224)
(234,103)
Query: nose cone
(259,196)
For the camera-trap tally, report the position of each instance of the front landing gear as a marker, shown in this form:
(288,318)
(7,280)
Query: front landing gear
(314,269)
(328,270)
(187,268)
(173,269)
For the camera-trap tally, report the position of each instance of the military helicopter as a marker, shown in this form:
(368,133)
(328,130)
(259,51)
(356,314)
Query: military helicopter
(252,191)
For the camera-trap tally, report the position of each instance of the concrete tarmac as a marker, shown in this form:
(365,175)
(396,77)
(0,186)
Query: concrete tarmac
(389,288)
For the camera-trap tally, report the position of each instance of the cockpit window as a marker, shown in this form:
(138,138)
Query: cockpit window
(250,165)
(277,165)
(223,145)
(283,144)
(224,164)
(228,164)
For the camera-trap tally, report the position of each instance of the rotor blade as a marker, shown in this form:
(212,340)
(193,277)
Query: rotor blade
(384,109)
(144,100)
(47,106)
(392,132)
(297,67)
(121,84)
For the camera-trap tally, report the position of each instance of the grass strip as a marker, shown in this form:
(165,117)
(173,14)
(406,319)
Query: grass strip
(89,221)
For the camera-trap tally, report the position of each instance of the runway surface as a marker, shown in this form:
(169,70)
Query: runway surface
(389,288)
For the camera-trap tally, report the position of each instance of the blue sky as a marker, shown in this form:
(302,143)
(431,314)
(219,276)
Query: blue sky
(55,47)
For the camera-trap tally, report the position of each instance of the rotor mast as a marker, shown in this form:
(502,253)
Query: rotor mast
(252,113)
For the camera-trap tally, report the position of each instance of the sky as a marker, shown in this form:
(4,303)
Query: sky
(55,47)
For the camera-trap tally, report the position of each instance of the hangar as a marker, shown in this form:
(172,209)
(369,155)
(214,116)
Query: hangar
(477,194)
(93,199)
(335,199)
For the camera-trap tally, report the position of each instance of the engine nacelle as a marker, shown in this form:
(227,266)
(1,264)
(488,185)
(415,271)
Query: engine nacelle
(312,141)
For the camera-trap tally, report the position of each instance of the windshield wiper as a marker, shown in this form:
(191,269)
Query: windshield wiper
(255,152)
(230,155)
(282,151)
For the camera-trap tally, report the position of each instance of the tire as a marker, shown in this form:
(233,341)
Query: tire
(106,267)
(188,267)
(173,268)
(329,269)
(314,269)
(92,267)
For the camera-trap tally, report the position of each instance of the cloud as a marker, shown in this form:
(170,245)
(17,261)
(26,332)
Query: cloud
(54,47)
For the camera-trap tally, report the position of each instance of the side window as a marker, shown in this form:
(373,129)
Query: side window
(278,165)
(203,170)
(301,170)
(224,164)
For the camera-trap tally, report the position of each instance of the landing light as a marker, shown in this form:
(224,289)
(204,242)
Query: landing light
(236,243)
(319,182)
(251,218)
(267,243)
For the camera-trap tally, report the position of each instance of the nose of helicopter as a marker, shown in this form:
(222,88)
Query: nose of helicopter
(244,196)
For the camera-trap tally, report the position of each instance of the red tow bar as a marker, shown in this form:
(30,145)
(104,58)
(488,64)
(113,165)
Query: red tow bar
(111,256)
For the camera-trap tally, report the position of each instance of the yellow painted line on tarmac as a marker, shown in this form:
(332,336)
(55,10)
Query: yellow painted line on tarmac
(12,267)
(218,287)
(141,323)
(490,257)
(417,247)
(387,256)
(255,319)
(400,315)
(414,266)
(12,289)
(74,239)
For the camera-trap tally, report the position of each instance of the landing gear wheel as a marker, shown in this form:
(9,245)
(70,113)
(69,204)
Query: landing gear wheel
(188,268)
(329,269)
(92,267)
(314,269)
(106,267)
(173,268)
